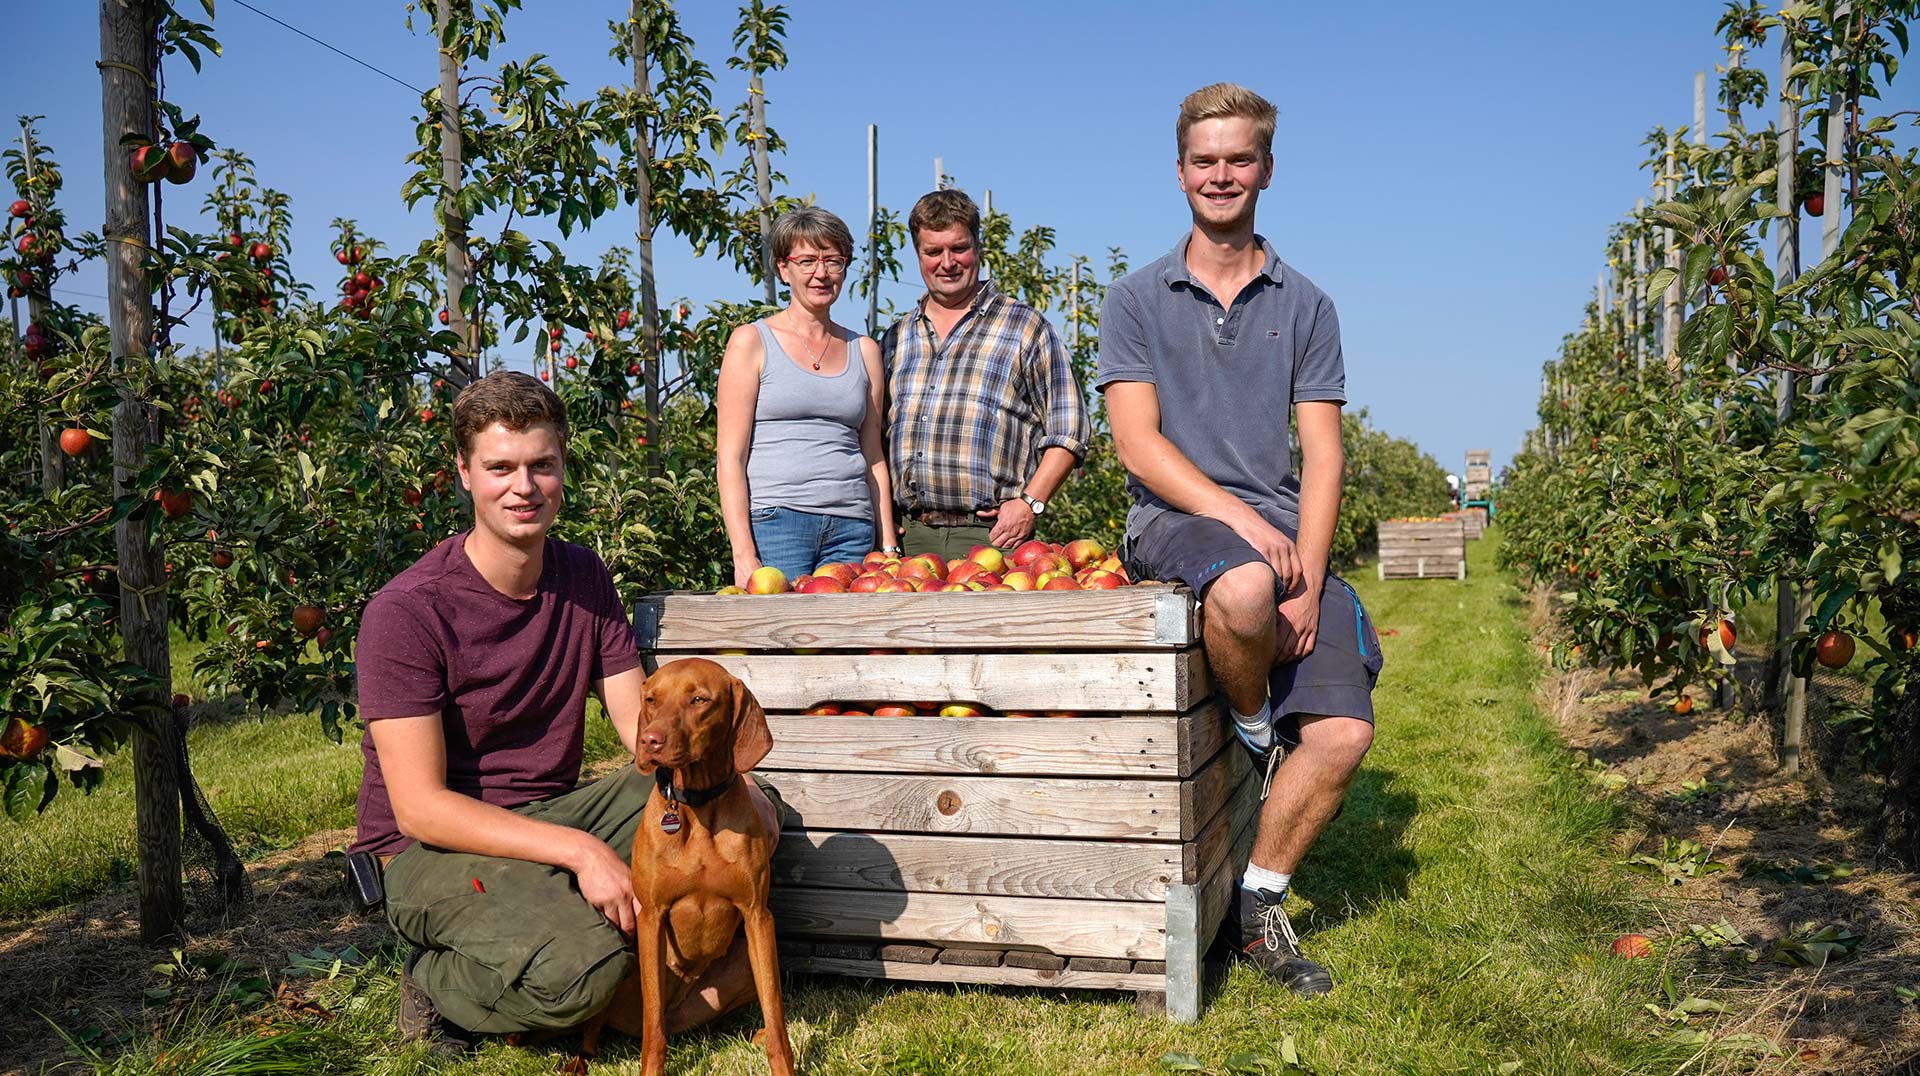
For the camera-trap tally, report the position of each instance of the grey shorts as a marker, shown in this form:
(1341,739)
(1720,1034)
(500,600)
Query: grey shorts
(1335,680)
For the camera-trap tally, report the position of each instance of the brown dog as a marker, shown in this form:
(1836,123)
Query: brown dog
(700,867)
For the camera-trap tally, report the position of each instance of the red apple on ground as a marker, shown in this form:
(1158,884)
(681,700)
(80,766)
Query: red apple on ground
(767,579)
(1683,704)
(1632,946)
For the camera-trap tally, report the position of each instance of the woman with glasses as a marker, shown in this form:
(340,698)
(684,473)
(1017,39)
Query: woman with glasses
(802,465)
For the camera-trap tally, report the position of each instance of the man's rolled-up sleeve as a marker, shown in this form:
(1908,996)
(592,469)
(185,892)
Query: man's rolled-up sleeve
(1067,424)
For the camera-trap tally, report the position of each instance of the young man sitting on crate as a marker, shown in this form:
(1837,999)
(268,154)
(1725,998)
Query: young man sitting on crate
(511,885)
(1202,356)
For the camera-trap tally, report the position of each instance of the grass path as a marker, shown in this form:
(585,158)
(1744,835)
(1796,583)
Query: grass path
(1464,900)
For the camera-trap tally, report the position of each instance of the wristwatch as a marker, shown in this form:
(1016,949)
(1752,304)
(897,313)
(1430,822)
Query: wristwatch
(1039,506)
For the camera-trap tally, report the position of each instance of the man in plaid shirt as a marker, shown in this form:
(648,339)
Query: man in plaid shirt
(986,418)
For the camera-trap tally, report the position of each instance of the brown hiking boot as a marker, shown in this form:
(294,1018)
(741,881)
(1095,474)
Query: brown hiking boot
(420,1021)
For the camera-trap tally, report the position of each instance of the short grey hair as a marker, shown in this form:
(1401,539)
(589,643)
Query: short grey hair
(811,225)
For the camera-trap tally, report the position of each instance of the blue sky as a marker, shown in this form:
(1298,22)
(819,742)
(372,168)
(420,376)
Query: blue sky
(1447,175)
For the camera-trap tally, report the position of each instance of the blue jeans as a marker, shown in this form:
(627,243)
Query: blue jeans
(798,542)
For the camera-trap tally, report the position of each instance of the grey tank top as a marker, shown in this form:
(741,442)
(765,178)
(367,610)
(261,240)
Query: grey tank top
(805,451)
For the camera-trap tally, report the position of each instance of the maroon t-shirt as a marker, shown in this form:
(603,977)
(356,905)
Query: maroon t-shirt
(509,678)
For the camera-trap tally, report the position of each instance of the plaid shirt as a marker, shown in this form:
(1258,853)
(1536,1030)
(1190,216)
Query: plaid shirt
(969,416)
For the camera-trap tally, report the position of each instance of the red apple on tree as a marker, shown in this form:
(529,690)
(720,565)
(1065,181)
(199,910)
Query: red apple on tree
(1815,204)
(181,162)
(75,441)
(1834,649)
(19,209)
(307,618)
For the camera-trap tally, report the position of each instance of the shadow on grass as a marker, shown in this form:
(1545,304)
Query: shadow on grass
(86,969)
(1361,861)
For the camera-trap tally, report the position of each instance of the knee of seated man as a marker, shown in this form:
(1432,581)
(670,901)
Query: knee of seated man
(1243,596)
(573,978)
(1339,738)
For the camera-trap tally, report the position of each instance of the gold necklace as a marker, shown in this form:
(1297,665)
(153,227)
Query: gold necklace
(803,342)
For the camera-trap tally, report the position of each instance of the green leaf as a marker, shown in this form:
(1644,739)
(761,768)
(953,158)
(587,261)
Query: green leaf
(1658,280)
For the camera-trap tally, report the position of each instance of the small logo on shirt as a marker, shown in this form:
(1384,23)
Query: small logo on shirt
(1273,333)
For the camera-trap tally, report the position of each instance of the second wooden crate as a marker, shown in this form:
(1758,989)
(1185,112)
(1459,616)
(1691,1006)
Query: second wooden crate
(1422,549)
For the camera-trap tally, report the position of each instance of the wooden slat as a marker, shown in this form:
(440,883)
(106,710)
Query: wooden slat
(988,866)
(1129,745)
(1135,930)
(1216,893)
(985,806)
(1157,616)
(1004,975)
(1088,808)
(1141,681)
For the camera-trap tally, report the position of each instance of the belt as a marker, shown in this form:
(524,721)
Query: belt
(927,518)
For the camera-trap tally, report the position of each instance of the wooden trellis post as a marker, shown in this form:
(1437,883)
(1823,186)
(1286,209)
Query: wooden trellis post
(1790,598)
(127,49)
(466,365)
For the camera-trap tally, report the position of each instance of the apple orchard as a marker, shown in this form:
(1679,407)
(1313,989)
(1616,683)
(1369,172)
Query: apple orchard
(244,501)
(1728,453)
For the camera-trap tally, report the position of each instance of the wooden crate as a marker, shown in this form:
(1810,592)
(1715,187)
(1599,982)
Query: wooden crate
(1423,550)
(1095,851)
(1473,519)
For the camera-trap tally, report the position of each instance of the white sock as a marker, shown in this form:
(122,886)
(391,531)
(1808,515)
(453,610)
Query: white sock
(1262,878)
(1257,728)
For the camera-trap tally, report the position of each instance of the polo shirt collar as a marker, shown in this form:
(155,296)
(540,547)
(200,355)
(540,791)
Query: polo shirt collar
(1175,270)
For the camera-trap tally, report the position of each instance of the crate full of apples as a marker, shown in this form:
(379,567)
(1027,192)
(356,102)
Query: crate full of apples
(1004,768)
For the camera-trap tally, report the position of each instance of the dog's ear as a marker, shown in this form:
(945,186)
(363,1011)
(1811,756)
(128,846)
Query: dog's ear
(642,757)
(751,737)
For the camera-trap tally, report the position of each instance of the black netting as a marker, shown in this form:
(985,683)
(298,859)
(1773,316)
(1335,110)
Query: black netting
(215,881)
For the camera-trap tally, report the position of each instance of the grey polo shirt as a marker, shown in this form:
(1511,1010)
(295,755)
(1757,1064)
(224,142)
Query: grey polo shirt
(1227,375)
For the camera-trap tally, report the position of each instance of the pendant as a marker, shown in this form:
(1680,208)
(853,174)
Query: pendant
(816,366)
(670,821)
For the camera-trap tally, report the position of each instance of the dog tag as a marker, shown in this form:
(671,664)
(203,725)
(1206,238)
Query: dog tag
(670,821)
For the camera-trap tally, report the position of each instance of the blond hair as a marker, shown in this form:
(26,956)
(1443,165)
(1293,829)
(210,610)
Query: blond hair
(1221,101)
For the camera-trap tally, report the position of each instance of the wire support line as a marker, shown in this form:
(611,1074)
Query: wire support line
(417,91)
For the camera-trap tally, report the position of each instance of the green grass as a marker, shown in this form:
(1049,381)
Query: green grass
(1464,900)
